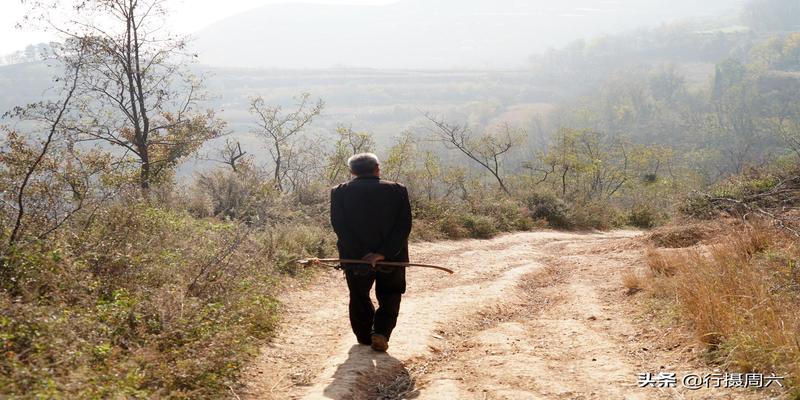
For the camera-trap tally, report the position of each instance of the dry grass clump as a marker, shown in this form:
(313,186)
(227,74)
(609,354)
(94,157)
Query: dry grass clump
(661,262)
(402,387)
(674,237)
(741,297)
(633,282)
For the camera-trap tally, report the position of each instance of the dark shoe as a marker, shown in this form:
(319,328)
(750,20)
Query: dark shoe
(380,343)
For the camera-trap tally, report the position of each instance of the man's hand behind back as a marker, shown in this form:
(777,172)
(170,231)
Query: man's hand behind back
(373,258)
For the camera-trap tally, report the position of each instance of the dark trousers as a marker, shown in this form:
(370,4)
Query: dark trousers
(364,319)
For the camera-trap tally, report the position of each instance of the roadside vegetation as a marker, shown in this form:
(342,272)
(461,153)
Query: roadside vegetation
(729,272)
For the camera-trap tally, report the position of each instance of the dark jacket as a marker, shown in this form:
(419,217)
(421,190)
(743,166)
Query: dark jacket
(370,215)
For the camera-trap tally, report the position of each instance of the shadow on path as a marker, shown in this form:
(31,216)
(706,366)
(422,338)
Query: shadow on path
(364,370)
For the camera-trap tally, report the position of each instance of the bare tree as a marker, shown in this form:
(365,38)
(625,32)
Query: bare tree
(231,154)
(53,115)
(134,90)
(588,164)
(349,143)
(280,129)
(487,150)
(401,158)
(303,169)
(781,114)
(47,183)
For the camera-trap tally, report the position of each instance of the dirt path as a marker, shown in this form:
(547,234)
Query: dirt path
(536,315)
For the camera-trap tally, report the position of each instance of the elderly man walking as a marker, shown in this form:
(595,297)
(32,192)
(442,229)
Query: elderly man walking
(372,220)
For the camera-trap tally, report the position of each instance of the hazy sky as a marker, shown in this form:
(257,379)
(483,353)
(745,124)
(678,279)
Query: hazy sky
(189,16)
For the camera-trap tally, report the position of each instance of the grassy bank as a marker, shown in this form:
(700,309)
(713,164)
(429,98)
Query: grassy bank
(729,274)
(142,301)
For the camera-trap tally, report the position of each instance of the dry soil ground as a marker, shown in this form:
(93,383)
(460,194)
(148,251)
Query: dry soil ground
(535,315)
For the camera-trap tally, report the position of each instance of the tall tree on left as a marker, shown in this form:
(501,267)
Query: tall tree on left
(135,91)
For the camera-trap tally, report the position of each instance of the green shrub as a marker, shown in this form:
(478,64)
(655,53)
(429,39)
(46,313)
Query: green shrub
(452,227)
(479,226)
(507,214)
(550,208)
(757,189)
(595,215)
(697,205)
(643,216)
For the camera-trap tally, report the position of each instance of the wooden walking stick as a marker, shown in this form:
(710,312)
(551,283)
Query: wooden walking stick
(329,262)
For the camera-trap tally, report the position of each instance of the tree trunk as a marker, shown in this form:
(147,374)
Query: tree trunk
(500,181)
(278,162)
(144,170)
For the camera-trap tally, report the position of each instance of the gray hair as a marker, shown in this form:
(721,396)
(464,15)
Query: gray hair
(363,164)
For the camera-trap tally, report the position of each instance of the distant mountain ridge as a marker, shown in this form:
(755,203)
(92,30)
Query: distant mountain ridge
(427,34)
